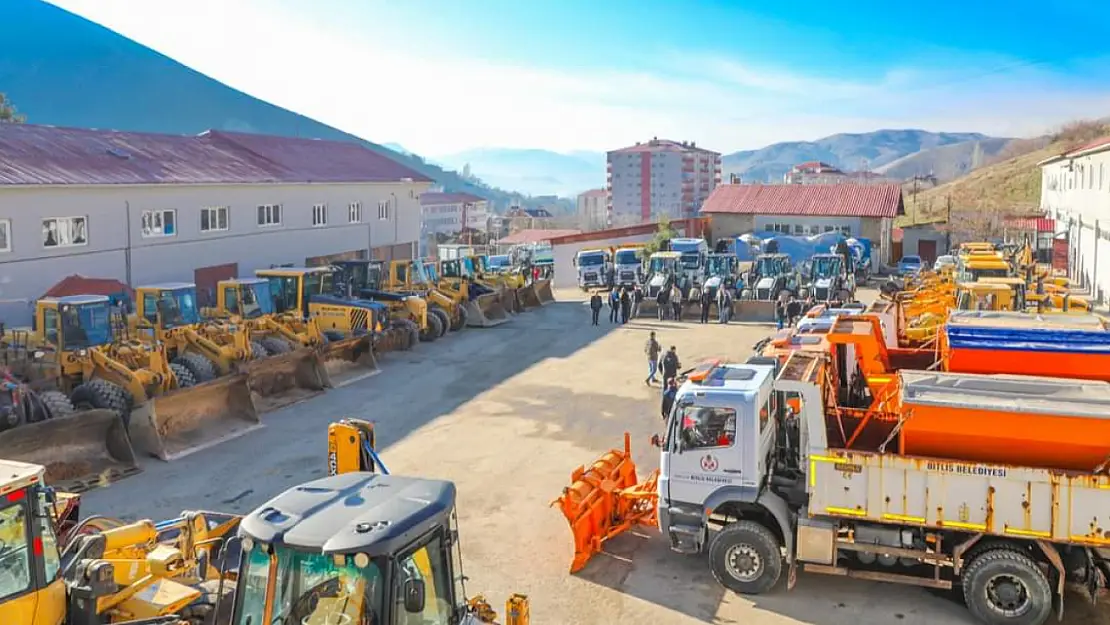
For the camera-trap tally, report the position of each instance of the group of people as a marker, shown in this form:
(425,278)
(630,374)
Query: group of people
(724,304)
(666,363)
(624,304)
(790,308)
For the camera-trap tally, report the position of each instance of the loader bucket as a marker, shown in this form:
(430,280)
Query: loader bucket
(350,360)
(754,310)
(283,379)
(188,420)
(509,301)
(526,296)
(486,311)
(543,291)
(80,451)
(606,500)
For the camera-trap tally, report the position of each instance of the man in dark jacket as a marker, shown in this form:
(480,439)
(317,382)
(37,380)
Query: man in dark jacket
(595,306)
(663,300)
(793,310)
(637,299)
(670,365)
(614,305)
(704,300)
(668,398)
(626,305)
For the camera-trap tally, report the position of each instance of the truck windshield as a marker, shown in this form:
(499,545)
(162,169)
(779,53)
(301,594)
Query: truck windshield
(86,325)
(826,266)
(343,591)
(419,276)
(691,260)
(704,426)
(664,265)
(627,257)
(258,300)
(590,260)
(767,266)
(178,308)
(720,265)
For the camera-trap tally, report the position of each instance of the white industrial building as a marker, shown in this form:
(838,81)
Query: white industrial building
(146,208)
(1075,192)
(449,213)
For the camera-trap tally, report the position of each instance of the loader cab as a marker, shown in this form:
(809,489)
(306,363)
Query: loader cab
(432,270)
(249,298)
(358,548)
(74,323)
(167,306)
(31,589)
(293,286)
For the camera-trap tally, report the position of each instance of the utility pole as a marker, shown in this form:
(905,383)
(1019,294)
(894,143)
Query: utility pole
(948,223)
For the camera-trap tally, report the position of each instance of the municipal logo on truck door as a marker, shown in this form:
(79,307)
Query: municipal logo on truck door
(709,463)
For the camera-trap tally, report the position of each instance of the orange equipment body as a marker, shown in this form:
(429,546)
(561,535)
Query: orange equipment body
(1065,346)
(1042,422)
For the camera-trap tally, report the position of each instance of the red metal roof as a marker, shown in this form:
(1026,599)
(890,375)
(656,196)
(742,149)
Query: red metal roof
(662,145)
(430,199)
(1033,224)
(1097,143)
(839,200)
(690,227)
(595,193)
(36,155)
(80,285)
(534,236)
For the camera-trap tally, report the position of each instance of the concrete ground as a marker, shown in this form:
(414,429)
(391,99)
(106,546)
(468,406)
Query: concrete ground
(507,413)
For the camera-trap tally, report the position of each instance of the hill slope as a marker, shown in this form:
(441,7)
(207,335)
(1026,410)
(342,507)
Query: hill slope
(61,69)
(847,151)
(538,172)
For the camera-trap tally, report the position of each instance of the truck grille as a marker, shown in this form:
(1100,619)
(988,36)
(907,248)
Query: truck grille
(628,275)
(589,276)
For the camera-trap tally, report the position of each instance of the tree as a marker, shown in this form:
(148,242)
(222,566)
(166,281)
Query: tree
(663,233)
(8,114)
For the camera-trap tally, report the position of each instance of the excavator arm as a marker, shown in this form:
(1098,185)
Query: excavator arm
(351,448)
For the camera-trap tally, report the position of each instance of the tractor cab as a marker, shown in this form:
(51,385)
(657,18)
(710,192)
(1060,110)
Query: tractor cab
(31,589)
(721,271)
(74,323)
(460,268)
(432,270)
(167,306)
(293,286)
(311,556)
(248,298)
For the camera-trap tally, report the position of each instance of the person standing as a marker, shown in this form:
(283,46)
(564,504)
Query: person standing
(780,313)
(637,298)
(705,301)
(676,303)
(652,349)
(793,310)
(723,305)
(668,398)
(626,305)
(670,365)
(595,306)
(614,305)
(662,299)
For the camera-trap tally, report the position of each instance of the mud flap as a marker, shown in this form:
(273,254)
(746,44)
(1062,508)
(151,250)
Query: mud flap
(762,311)
(188,420)
(486,311)
(80,451)
(526,296)
(543,291)
(350,360)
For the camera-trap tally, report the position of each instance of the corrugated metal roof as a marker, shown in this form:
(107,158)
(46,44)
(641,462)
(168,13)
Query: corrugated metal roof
(431,199)
(534,236)
(1096,145)
(80,285)
(594,193)
(41,155)
(1033,224)
(838,200)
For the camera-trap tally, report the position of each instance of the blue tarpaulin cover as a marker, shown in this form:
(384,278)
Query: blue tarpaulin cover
(1064,340)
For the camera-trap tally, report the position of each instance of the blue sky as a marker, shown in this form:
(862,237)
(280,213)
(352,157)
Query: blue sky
(442,76)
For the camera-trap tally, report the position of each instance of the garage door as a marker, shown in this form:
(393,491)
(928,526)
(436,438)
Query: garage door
(927,250)
(207,277)
(327,259)
(401,251)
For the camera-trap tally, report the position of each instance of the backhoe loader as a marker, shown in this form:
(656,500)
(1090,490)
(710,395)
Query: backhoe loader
(76,350)
(105,571)
(409,315)
(483,304)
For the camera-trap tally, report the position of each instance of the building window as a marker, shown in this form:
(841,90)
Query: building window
(213,218)
(319,215)
(354,212)
(383,210)
(5,235)
(159,223)
(798,229)
(269,214)
(64,232)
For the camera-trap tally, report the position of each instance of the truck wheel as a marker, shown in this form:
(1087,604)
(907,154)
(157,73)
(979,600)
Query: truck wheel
(183,376)
(1003,586)
(198,365)
(444,318)
(745,557)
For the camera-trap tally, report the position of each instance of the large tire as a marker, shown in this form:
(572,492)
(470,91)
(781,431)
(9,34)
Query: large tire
(258,352)
(1004,586)
(464,317)
(412,334)
(56,403)
(444,318)
(434,329)
(745,557)
(184,377)
(202,611)
(98,393)
(202,369)
(275,345)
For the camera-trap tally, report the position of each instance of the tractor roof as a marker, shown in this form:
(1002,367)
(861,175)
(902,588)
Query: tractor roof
(291,271)
(76,300)
(168,286)
(353,513)
(15,475)
(239,281)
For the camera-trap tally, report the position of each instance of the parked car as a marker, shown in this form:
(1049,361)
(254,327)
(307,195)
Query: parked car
(944,261)
(909,265)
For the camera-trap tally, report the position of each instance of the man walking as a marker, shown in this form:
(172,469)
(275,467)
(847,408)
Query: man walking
(793,310)
(595,306)
(705,301)
(626,305)
(652,349)
(670,365)
(780,313)
(614,305)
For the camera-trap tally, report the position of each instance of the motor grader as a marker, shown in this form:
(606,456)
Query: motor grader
(78,353)
(409,315)
(483,304)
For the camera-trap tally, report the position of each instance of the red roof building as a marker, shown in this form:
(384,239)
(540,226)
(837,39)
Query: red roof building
(827,200)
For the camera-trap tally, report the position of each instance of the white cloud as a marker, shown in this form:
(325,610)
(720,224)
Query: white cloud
(393,92)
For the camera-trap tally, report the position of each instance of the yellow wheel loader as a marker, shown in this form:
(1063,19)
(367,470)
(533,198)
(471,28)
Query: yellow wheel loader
(103,571)
(483,304)
(74,350)
(491,278)
(410,277)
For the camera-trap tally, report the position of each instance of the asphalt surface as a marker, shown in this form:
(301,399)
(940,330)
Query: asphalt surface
(507,413)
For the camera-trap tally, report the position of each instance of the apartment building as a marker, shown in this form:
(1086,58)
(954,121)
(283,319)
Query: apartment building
(817,172)
(593,209)
(660,178)
(448,213)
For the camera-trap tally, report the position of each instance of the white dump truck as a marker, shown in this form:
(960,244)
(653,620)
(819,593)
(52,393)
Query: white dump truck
(595,268)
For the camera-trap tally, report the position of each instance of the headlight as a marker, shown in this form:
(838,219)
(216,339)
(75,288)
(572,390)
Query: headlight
(82,352)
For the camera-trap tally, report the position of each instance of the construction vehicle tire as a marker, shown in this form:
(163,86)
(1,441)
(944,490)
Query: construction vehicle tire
(183,376)
(201,368)
(461,319)
(1015,569)
(444,319)
(411,334)
(98,393)
(275,346)
(434,329)
(258,351)
(56,403)
(745,557)
(202,611)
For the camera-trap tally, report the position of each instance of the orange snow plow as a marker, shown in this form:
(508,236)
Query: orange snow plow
(606,500)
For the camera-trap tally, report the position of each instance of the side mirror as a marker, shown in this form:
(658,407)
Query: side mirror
(414,596)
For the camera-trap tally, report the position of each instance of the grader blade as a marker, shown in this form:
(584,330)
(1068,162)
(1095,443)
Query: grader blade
(543,291)
(283,379)
(754,310)
(605,501)
(526,296)
(486,311)
(80,451)
(350,360)
(188,420)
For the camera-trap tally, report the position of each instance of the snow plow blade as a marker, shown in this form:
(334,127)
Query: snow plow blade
(486,311)
(606,500)
(283,379)
(188,420)
(753,310)
(80,451)
(348,360)
(526,296)
(543,291)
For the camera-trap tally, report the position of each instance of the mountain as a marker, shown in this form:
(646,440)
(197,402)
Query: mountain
(61,69)
(948,162)
(538,172)
(869,150)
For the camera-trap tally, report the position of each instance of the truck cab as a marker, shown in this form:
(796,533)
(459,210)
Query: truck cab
(165,307)
(770,275)
(294,286)
(595,269)
(693,256)
(629,266)
(829,278)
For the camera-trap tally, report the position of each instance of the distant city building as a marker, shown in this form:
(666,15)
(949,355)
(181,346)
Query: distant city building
(444,213)
(529,218)
(593,209)
(818,172)
(659,178)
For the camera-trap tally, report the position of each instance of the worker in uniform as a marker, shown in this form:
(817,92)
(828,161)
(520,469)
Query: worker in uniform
(637,298)
(662,299)
(595,306)
(704,301)
(626,305)
(676,303)
(670,365)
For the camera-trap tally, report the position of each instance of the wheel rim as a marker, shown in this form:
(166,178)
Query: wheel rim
(1007,595)
(743,563)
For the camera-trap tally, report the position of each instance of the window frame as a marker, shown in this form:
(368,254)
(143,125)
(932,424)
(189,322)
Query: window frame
(70,221)
(354,212)
(28,538)
(268,219)
(319,215)
(383,210)
(214,211)
(6,226)
(149,233)
(443,557)
(680,417)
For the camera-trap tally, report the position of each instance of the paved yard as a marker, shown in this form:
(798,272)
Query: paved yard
(507,413)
